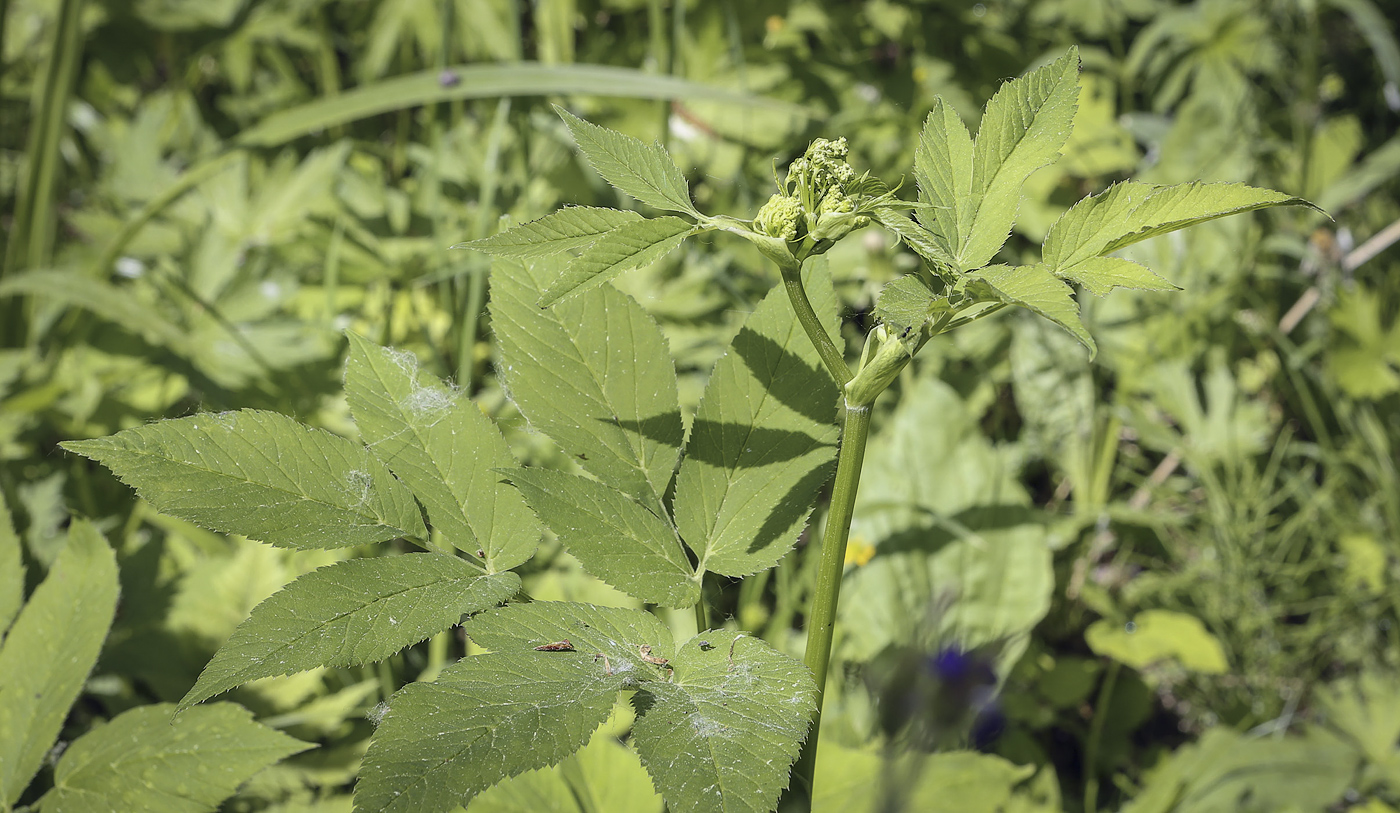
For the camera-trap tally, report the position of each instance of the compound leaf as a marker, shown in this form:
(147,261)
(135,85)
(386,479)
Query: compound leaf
(612,536)
(569,228)
(644,171)
(722,736)
(486,718)
(51,648)
(762,442)
(140,760)
(1102,274)
(595,375)
(1032,287)
(1022,130)
(631,245)
(351,613)
(262,475)
(1128,213)
(443,447)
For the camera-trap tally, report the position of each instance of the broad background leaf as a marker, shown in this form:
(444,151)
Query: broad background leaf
(762,441)
(351,613)
(631,245)
(51,648)
(141,760)
(444,448)
(644,171)
(569,228)
(603,777)
(613,537)
(1159,635)
(958,556)
(594,374)
(857,781)
(1022,130)
(262,475)
(11,570)
(1032,287)
(722,737)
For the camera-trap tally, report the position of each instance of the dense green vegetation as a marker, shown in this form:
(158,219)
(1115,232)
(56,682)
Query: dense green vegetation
(1163,579)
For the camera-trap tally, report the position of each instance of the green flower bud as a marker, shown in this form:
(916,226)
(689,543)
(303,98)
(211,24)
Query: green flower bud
(779,217)
(836,217)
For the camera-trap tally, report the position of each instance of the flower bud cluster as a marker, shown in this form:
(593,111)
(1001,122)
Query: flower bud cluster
(821,201)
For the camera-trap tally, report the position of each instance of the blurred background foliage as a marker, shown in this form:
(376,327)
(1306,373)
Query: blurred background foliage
(1162,581)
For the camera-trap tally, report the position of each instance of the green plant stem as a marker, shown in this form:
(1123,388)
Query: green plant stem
(702,617)
(1091,748)
(476,280)
(831,356)
(821,620)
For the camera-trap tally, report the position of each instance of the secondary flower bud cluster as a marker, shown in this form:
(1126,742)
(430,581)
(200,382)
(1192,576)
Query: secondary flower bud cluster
(818,204)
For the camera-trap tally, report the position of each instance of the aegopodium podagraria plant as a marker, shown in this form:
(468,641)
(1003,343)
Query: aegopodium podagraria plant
(722,717)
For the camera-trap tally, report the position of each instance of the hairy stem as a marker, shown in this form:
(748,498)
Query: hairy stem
(832,356)
(821,619)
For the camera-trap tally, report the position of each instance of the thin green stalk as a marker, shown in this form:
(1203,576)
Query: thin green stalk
(832,357)
(702,616)
(821,620)
(31,237)
(1091,748)
(476,282)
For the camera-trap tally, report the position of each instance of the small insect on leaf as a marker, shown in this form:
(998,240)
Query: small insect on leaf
(557,646)
(607,665)
(706,646)
(645,650)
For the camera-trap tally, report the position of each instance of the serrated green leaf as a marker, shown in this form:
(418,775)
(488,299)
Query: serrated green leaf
(595,375)
(486,718)
(644,171)
(907,303)
(612,536)
(11,570)
(629,246)
(51,648)
(763,440)
(943,168)
(722,736)
(615,632)
(1102,274)
(1022,130)
(351,613)
(140,760)
(262,475)
(443,447)
(1128,213)
(924,242)
(569,228)
(1036,289)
